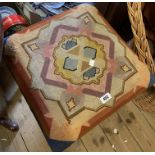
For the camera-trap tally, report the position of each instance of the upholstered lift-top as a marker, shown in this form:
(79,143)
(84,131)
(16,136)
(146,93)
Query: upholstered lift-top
(74,70)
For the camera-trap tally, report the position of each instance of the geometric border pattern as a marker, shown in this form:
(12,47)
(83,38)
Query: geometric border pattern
(86,91)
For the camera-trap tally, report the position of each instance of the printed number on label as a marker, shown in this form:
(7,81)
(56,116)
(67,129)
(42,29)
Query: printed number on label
(105,98)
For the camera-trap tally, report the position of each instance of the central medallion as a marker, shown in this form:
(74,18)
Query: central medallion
(80,60)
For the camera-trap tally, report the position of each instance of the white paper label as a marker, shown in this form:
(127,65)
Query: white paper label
(105,98)
(92,62)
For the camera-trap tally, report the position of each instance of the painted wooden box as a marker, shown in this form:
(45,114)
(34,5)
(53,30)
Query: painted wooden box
(74,70)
